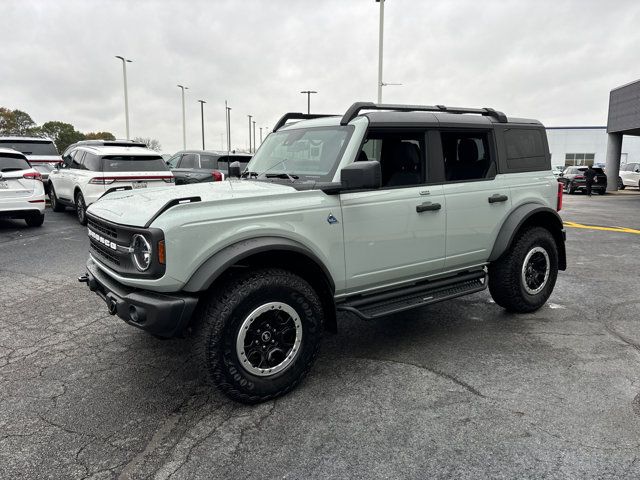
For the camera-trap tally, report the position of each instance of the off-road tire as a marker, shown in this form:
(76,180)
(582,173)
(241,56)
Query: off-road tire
(602,191)
(219,320)
(34,219)
(56,206)
(81,209)
(505,275)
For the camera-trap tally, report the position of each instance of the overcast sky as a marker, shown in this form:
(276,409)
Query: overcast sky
(552,60)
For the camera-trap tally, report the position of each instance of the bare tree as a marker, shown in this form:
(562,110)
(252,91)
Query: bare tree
(151,143)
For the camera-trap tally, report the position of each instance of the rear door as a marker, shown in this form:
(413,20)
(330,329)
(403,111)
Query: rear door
(396,232)
(186,169)
(13,185)
(478,199)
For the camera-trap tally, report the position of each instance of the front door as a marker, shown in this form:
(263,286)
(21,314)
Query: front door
(396,232)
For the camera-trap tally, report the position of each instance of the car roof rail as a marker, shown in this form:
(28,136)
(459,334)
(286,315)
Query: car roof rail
(299,116)
(354,110)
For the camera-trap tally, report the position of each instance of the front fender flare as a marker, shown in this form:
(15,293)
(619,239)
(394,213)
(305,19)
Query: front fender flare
(518,218)
(217,264)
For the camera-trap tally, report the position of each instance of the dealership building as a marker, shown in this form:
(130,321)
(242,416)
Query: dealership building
(582,145)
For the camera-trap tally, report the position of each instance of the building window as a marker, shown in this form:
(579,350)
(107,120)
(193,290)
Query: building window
(571,159)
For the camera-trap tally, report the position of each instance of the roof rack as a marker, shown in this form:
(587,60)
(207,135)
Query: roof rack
(354,110)
(298,116)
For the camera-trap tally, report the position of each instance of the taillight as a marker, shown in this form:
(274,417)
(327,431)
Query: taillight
(169,179)
(217,176)
(33,176)
(579,177)
(101,181)
(560,192)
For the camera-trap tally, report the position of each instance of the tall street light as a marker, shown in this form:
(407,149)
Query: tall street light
(308,93)
(250,117)
(260,135)
(254,136)
(184,120)
(126,94)
(202,102)
(228,112)
(380,42)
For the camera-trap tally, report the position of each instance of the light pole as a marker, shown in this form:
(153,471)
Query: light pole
(260,135)
(202,102)
(184,120)
(126,94)
(228,109)
(250,117)
(254,136)
(308,93)
(380,42)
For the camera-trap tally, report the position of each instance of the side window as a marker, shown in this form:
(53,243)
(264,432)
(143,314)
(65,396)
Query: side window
(173,161)
(91,162)
(208,162)
(189,160)
(467,156)
(77,159)
(67,160)
(401,156)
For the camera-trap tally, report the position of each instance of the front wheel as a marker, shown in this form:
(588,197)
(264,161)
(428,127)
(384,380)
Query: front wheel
(259,336)
(523,278)
(81,209)
(621,184)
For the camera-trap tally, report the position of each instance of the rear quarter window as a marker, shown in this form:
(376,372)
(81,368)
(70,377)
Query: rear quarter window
(525,149)
(133,163)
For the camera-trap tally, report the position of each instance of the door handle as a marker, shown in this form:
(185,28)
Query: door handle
(428,207)
(495,198)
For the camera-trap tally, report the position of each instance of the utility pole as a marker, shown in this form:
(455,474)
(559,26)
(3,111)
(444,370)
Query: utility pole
(126,94)
(202,102)
(250,117)
(184,120)
(254,137)
(308,93)
(380,44)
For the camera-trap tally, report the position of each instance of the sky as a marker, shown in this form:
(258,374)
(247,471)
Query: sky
(552,60)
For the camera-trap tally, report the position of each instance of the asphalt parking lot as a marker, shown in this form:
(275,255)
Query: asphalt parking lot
(459,389)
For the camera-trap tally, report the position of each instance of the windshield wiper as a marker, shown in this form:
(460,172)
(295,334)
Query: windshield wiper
(249,174)
(282,175)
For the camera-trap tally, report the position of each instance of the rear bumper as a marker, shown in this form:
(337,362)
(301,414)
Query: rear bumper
(157,313)
(19,207)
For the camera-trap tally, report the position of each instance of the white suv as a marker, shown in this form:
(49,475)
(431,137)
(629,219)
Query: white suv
(21,189)
(88,172)
(630,175)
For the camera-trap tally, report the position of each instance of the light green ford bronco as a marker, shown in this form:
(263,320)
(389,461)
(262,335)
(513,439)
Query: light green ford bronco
(369,213)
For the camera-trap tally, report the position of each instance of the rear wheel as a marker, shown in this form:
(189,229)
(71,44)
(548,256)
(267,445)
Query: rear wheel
(259,336)
(81,209)
(56,206)
(35,219)
(602,191)
(571,188)
(523,278)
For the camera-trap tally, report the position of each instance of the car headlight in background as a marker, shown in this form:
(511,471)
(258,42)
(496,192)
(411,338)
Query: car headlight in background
(141,252)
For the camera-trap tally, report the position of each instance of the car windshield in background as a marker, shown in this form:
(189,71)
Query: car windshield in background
(10,164)
(133,163)
(311,153)
(30,147)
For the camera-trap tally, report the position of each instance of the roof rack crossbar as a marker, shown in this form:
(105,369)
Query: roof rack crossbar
(354,110)
(298,116)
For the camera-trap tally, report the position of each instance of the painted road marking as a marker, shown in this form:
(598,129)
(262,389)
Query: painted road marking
(606,229)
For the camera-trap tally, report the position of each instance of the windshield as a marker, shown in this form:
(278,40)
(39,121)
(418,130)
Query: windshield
(31,147)
(132,163)
(305,153)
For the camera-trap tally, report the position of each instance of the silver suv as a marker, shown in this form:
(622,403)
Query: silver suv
(370,213)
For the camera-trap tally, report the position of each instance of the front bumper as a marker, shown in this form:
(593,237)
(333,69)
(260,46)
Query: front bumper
(157,313)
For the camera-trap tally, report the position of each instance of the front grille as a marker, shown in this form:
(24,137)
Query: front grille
(102,227)
(104,252)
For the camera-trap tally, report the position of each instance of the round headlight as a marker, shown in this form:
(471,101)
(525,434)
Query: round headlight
(141,252)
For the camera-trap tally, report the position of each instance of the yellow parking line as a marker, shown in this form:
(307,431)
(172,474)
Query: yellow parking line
(606,229)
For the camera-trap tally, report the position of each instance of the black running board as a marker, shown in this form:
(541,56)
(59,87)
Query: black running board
(378,305)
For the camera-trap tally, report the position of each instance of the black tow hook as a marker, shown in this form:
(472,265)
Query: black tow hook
(112,306)
(83,278)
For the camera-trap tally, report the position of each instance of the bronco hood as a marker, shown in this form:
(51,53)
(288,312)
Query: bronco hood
(138,208)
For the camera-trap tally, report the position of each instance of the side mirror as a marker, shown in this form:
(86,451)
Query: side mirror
(234,169)
(361,175)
